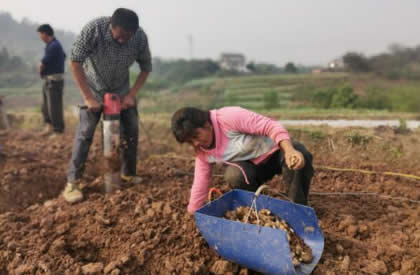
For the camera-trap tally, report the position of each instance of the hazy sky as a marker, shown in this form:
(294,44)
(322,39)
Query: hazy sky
(303,31)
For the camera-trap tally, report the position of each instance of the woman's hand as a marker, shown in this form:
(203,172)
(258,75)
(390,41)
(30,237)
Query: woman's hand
(294,159)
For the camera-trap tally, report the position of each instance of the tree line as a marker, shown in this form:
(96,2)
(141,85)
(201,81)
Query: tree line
(10,63)
(399,62)
(14,71)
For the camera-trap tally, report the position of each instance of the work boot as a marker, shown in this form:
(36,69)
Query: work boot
(48,129)
(72,193)
(55,135)
(131,179)
(2,153)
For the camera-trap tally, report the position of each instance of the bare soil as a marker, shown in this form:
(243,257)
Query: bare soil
(144,229)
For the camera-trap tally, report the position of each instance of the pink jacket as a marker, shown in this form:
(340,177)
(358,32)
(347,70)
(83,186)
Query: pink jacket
(240,135)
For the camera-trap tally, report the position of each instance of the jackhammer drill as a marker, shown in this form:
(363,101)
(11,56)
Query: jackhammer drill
(111,141)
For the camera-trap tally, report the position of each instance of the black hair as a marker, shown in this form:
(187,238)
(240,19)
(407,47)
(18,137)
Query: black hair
(186,120)
(125,19)
(46,28)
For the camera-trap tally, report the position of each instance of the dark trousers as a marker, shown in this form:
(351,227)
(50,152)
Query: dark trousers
(52,104)
(129,132)
(296,182)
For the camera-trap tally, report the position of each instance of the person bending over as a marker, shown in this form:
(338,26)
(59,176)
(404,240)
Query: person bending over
(254,148)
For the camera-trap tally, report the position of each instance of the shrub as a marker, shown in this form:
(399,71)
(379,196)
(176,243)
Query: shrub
(322,98)
(335,98)
(271,100)
(358,139)
(402,128)
(374,99)
(343,98)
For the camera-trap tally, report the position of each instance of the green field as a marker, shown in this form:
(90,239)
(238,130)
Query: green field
(292,96)
(285,96)
(30,97)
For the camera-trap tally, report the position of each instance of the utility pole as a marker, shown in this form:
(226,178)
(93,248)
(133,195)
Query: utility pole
(191,46)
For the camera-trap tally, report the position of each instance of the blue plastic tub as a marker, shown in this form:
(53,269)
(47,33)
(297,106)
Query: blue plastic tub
(259,248)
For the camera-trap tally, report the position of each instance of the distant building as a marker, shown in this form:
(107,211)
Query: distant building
(233,62)
(336,65)
(316,70)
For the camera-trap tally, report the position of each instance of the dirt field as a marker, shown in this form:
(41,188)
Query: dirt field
(144,229)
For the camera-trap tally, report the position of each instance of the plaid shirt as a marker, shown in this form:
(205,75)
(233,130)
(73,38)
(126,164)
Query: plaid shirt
(106,63)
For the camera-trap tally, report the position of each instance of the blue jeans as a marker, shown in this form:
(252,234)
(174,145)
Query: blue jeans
(129,133)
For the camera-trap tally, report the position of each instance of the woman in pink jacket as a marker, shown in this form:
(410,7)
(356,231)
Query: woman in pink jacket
(254,147)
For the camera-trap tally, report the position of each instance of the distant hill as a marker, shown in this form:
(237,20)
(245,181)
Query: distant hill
(21,38)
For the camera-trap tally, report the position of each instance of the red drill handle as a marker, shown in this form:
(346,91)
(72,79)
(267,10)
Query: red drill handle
(112,104)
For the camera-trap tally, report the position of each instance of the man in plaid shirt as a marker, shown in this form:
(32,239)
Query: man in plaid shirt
(100,61)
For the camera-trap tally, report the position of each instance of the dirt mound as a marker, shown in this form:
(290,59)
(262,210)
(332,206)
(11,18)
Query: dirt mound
(33,167)
(144,229)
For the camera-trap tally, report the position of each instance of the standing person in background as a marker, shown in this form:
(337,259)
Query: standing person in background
(4,124)
(100,60)
(51,70)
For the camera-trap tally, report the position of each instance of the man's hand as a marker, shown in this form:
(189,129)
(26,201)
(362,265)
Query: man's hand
(92,104)
(41,67)
(128,101)
(80,78)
